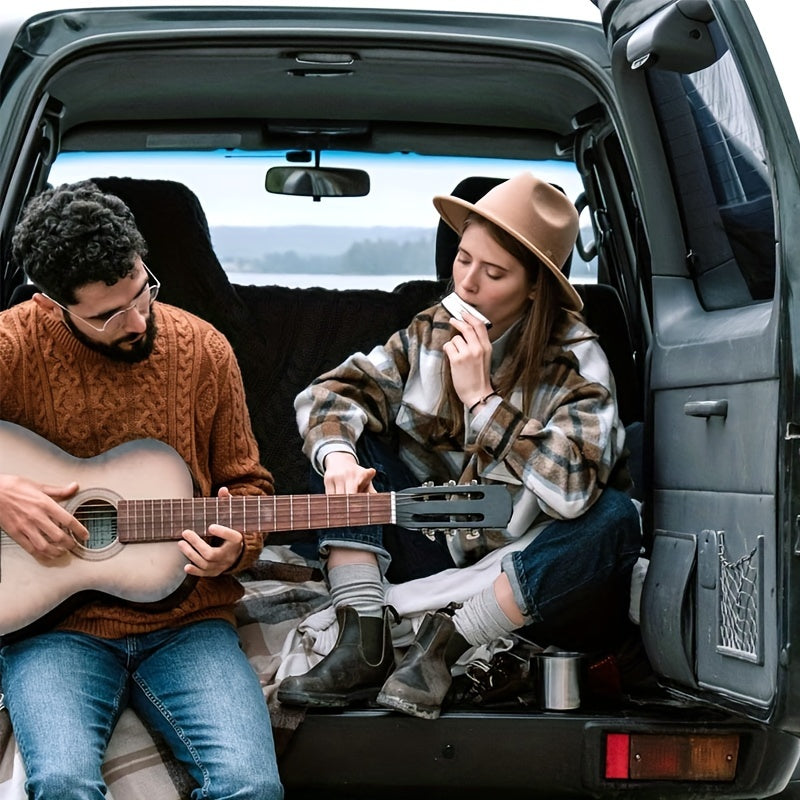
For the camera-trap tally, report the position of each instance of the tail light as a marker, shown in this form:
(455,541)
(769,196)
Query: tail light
(671,757)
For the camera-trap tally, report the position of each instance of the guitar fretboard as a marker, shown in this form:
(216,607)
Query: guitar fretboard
(162,520)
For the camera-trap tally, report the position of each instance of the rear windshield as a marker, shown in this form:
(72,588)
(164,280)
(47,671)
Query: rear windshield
(377,241)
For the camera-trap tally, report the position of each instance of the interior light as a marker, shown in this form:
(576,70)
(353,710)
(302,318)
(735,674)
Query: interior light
(339,59)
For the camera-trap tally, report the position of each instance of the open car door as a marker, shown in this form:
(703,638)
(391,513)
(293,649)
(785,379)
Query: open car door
(713,156)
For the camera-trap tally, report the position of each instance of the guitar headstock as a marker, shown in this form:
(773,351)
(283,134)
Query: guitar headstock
(473,505)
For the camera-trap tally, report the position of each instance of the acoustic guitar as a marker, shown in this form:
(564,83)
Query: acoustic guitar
(136,500)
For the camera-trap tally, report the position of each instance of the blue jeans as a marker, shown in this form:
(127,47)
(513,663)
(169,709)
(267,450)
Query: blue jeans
(572,580)
(193,684)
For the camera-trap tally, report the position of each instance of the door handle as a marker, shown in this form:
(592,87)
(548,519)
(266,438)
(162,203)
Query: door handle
(706,408)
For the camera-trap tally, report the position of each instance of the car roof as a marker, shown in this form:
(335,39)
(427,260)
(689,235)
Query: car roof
(564,9)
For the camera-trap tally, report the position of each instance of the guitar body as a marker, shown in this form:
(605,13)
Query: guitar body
(140,573)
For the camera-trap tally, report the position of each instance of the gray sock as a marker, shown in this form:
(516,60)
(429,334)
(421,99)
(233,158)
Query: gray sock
(359,586)
(481,620)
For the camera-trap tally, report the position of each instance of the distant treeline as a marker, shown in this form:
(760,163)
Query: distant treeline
(364,257)
(306,250)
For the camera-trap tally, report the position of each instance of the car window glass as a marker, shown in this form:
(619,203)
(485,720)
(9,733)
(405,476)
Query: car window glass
(718,163)
(377,241)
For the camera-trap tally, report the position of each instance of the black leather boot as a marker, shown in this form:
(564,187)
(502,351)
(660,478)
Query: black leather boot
(419,684)
(353,671)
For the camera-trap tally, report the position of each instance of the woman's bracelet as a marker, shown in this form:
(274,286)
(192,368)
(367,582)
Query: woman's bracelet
(481,401)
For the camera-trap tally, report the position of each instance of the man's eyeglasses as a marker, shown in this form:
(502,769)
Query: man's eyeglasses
(142,303)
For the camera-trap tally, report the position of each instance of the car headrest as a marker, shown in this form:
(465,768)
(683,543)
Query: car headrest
(180,252)
(470,189)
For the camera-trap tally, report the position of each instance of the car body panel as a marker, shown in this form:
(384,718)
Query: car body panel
(731,357)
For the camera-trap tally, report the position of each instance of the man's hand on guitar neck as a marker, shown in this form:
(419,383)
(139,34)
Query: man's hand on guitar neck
(31,515)
(208,560)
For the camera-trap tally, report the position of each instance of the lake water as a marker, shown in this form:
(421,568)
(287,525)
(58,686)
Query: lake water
(302,281)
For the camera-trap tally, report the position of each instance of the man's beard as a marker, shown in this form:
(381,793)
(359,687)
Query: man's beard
(137,351)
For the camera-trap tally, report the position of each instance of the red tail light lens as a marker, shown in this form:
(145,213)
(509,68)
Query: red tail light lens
(671,757)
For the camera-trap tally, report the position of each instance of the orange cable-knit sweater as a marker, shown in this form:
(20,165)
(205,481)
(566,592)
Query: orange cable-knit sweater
(188,393)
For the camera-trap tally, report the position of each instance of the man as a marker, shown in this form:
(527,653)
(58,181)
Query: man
(91,362)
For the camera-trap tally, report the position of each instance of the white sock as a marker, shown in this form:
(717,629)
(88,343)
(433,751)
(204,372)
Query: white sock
(359,586)
(481,620)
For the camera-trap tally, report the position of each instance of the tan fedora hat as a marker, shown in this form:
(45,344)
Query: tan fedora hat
(535,213)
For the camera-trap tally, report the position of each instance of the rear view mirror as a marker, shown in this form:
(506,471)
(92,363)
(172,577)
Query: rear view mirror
(317,181)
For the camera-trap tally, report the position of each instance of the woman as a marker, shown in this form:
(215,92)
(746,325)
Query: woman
(528,401)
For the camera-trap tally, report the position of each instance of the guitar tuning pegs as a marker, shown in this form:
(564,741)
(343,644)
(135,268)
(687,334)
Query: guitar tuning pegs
(473,482)
(451,483)
(430,533)
(466,534)
(427,484)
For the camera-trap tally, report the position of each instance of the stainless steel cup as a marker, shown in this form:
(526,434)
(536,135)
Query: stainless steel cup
(559,678)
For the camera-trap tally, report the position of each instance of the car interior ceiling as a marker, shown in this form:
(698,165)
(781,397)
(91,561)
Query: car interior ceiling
(256,93)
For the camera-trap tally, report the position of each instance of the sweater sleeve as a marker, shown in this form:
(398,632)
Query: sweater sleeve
(9,364)
(362,393)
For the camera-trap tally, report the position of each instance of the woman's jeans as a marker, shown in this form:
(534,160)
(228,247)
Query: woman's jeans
(193,685)
(572,580)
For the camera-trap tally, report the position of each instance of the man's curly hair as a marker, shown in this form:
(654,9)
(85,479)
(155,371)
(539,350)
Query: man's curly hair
(75,234)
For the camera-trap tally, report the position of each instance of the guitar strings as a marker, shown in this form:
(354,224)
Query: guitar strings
(262,513)
(155,518)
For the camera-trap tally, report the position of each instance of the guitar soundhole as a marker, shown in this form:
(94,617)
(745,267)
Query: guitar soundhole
(100,519)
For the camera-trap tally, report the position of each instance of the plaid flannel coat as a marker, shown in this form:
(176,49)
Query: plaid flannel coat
(555,456)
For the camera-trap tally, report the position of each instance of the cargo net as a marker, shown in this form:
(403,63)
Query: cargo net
(738,604)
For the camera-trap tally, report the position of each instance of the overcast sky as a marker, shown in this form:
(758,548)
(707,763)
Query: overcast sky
(397,185)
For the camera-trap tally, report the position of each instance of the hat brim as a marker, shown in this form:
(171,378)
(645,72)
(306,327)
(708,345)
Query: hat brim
(454,210)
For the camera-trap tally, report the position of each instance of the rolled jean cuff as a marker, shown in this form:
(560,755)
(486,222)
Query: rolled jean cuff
(510,566)
(369,539)
(573,561)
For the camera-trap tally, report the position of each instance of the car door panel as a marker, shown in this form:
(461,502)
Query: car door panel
(723,425)
(712,613)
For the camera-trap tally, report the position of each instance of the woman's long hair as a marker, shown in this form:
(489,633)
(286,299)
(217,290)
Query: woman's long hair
(542,322)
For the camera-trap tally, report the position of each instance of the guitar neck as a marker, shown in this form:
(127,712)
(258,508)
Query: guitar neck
(162,520)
